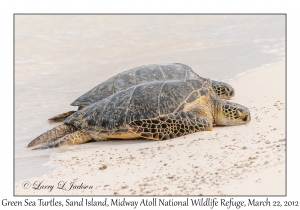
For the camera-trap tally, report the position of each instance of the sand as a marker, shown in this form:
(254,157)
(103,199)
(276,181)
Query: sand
(236,160)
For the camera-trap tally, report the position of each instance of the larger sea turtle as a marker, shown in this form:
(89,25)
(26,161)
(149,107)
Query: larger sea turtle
(157,110)
(140,75)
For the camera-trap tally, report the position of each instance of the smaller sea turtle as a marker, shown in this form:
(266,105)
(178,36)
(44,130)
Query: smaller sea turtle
(157,110)
(141,75)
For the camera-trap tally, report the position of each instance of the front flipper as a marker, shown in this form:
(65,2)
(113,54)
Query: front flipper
(78,137)
(170,125)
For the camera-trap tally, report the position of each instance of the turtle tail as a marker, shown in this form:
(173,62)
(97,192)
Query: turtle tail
(62,116)
(53,134)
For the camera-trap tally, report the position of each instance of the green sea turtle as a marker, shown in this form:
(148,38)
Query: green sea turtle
(157,110)
(140,75)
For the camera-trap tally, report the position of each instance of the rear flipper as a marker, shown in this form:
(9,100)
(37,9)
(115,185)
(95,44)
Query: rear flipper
(78,137)
(53,134)
(62,116)
(170,125)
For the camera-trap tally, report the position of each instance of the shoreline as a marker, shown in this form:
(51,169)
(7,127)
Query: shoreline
(252,70)
(225,161)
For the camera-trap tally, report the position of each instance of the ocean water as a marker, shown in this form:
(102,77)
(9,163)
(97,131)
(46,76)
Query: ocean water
(59,57)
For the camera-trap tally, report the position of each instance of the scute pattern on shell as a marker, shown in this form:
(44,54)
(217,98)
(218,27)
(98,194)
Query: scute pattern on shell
(136,76)
(143,101)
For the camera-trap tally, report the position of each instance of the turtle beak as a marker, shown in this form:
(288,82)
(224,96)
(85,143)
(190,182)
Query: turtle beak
(247,118)
(231,93)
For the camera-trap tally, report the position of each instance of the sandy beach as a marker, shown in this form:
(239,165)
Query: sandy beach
(237,160)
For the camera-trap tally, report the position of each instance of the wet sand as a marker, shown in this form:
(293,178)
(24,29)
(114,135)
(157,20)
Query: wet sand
(237,160)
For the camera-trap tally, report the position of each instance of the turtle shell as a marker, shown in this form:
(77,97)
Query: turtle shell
(135,76)
(143,101)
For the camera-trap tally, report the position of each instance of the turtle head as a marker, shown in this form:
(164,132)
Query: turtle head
(223,89)
(230,113)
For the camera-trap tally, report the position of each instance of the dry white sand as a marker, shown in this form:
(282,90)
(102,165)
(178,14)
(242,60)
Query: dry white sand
(237,160)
